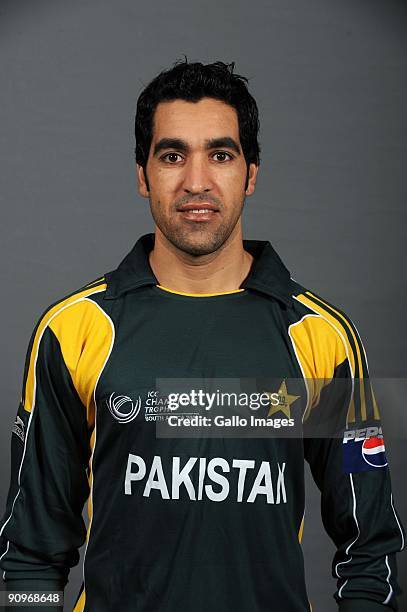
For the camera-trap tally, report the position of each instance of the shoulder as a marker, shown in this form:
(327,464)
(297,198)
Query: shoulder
(75,327)
(327,326)
(329,345)
(76,303)
(71,318)
(308,302)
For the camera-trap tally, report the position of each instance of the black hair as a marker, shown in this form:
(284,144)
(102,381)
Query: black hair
(192,82)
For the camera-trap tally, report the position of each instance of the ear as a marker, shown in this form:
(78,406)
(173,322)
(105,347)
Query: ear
(251,184)
(142,183)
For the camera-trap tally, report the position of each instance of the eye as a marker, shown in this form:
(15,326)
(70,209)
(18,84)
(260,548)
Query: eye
(221,156)
(169,157)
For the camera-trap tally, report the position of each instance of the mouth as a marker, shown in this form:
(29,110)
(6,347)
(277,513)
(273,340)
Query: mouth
(198,214)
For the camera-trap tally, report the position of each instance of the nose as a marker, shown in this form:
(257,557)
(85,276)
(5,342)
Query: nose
(197,176)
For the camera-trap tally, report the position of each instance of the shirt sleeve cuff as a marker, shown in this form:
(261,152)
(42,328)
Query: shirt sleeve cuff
(362,605)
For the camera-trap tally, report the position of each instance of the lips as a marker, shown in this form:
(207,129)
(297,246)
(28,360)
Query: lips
(198,206)
(197,217)
(199,212)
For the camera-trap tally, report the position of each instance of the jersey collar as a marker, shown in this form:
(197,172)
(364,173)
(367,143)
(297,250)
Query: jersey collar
(267,274)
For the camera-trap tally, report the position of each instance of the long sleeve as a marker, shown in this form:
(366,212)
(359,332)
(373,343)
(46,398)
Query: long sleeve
(42,527)
(349,465)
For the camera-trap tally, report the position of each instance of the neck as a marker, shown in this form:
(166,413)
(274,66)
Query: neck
(219,272)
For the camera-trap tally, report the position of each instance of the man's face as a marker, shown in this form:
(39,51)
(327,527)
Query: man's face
(196,158)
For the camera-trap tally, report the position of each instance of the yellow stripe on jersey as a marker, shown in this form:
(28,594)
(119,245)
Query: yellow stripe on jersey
(361,357)
(344,328)
(30,383)
(80,604)
(319,351)
(98,281)
(199,294)
(300,531)
(85,334)
(332,322)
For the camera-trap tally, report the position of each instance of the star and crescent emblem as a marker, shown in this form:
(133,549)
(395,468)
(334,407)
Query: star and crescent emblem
(285,401)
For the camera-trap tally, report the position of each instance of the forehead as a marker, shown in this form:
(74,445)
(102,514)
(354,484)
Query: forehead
(208,118)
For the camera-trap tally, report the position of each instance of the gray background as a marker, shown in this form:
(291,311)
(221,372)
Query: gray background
(330,80)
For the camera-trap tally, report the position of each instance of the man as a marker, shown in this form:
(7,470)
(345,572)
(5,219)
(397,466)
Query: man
(181,518)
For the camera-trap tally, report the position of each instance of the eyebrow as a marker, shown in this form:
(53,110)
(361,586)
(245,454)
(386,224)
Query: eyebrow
(224,142)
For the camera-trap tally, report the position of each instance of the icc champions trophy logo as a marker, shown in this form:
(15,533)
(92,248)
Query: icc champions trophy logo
(122,407)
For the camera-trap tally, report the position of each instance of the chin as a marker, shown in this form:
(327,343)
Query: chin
(196,248)
(196,243)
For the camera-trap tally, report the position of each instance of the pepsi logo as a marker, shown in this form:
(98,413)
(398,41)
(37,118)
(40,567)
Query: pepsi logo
(373,452)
